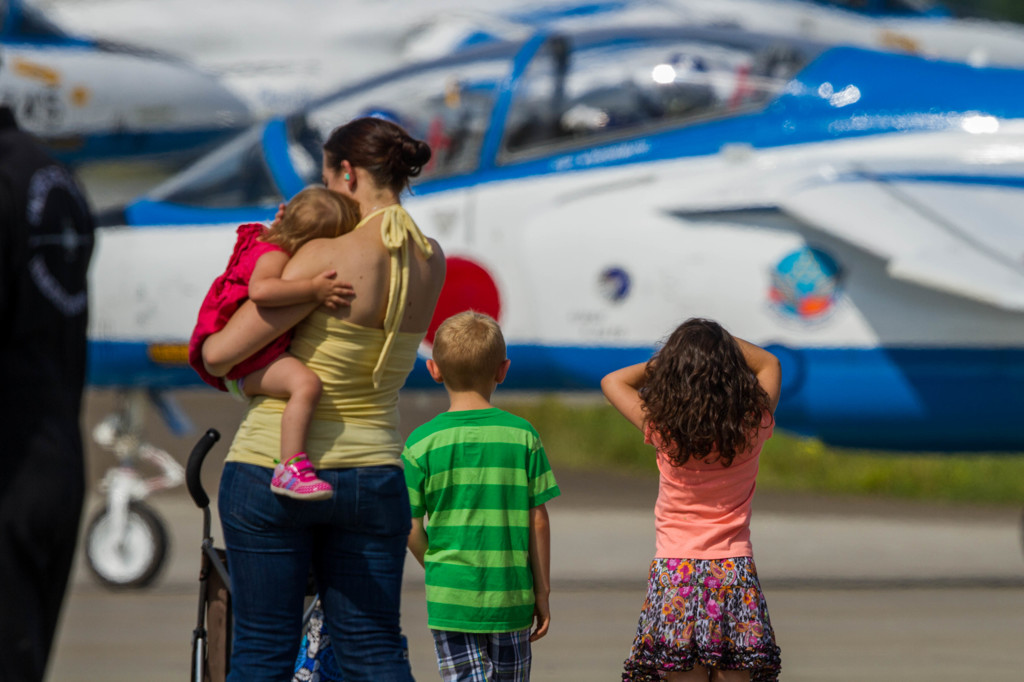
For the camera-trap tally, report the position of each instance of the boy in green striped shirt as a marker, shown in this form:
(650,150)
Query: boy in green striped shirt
(481,476)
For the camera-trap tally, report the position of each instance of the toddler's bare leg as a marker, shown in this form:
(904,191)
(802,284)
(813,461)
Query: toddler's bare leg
(248,330)
(287,378)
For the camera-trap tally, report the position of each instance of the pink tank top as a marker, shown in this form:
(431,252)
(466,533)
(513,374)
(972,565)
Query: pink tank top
(703,508)
(226,294)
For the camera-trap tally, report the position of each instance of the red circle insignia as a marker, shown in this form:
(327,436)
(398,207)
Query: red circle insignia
(467,286)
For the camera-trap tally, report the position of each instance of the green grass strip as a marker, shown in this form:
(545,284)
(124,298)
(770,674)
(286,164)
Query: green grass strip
(585,433)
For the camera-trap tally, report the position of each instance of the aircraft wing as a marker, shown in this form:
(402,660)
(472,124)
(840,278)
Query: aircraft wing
(974,251)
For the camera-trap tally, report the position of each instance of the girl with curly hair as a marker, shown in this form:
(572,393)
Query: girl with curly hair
(705,401)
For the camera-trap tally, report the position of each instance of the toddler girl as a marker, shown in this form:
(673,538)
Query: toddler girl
(705,401)
(254,271)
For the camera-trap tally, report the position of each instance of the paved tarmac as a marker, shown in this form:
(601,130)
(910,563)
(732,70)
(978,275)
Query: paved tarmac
(858,590)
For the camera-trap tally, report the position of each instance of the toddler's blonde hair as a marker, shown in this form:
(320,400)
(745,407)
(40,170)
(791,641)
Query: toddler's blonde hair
(313,213)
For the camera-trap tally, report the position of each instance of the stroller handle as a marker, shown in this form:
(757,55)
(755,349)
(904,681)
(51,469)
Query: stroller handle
(195,466)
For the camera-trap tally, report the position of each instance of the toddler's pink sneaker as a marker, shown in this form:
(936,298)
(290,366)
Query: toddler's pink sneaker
(296,478)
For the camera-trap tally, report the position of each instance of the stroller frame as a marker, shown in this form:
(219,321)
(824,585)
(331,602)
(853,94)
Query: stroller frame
(211,638)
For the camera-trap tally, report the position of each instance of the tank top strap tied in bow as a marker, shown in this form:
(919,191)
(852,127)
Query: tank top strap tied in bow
(396,230)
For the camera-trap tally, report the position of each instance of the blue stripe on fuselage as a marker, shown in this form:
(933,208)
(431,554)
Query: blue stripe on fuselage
(892,398)
(179,144)
(1011,182)
(146,213)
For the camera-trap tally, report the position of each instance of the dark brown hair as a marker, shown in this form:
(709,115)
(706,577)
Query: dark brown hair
(384,149)
(313,213)
(699,394)
(468,349)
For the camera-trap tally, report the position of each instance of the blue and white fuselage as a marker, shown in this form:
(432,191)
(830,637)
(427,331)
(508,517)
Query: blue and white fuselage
(858,212)
(92,100)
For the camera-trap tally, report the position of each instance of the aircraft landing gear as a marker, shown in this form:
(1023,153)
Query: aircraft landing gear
(126,547)
(126,541)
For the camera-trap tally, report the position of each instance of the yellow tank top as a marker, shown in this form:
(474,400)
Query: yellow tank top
(362,370)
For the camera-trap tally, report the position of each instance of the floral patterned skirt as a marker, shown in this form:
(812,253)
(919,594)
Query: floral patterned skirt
(703,612)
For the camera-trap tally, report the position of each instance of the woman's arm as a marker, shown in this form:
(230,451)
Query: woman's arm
(248,330)
(622,388)
(765,367)
(540,565)
(267,288)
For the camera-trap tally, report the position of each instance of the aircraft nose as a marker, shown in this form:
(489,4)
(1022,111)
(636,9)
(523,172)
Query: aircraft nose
(212,103)
(225,108)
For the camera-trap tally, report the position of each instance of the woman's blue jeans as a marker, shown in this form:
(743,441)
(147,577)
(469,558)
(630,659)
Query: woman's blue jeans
(355,543)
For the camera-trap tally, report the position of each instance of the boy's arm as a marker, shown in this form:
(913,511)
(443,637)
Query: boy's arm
(418,539)
(765,367)
(540,564)
(622,388)
(266,288)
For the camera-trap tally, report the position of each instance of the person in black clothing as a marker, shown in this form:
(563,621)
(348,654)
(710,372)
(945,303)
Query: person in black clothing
(46,240)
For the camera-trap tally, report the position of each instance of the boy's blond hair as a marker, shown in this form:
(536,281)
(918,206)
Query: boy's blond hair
(468,349)
(313,213)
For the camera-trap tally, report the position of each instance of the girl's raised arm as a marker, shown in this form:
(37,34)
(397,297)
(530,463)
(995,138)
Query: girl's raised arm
(766,368)
(622,388)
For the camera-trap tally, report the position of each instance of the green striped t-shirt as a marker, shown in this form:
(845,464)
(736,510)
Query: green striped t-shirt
(476,474)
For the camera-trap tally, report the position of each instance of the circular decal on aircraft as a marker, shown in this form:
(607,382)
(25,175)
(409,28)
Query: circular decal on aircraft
(614,284)
(467,286)
(806,284)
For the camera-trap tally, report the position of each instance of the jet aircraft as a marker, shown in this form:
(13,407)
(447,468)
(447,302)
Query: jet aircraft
(94,100)
(856,211)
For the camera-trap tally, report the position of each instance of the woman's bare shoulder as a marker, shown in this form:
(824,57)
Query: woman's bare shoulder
(435,266)
(313,257)
(437,253)
(436,246)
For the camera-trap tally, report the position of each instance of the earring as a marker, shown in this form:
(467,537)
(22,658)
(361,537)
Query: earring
(347,177)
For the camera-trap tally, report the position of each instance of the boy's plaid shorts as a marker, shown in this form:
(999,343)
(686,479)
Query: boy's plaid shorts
(482,656)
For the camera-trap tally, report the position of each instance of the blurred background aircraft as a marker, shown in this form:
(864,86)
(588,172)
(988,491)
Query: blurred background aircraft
(929,28)
(91,99)
(278,55)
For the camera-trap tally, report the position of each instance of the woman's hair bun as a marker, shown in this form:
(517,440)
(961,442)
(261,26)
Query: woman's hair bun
(414,155)
(415,152)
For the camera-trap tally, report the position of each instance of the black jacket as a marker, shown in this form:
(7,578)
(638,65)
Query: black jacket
(46,241)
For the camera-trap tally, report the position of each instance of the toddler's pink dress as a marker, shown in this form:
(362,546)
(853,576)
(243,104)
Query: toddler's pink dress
(226,295)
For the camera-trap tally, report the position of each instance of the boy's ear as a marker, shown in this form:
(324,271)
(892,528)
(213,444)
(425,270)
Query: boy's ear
(435,371)
(499,376)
